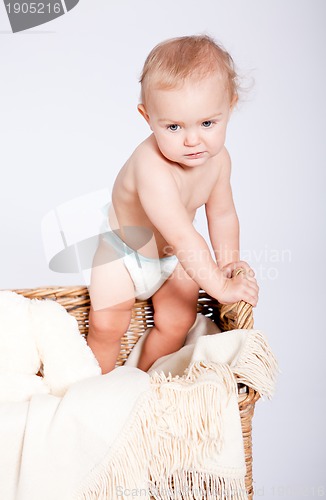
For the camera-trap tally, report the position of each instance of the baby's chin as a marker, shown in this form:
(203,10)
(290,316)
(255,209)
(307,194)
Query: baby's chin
(183,160)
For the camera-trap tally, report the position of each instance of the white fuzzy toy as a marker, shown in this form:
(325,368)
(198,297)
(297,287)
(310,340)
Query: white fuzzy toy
(40,334)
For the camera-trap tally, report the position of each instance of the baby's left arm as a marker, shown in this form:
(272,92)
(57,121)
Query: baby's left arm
(222,219)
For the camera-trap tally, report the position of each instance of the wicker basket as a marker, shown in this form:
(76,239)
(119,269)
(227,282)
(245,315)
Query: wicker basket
(76,301)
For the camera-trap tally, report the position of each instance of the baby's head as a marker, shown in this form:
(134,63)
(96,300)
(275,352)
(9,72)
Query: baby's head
(189,87)
(189,58)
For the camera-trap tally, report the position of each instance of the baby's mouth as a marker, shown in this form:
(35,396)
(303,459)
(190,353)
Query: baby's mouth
(195,155)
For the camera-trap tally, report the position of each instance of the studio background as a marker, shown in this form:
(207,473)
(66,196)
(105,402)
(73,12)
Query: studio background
(68,96)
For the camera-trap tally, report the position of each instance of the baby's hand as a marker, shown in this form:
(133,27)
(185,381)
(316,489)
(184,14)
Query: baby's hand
(239,287)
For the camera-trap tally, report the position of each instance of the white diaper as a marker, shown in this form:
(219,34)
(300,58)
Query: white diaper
(148,274)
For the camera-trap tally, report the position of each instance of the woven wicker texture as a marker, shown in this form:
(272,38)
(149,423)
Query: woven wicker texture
(237,316)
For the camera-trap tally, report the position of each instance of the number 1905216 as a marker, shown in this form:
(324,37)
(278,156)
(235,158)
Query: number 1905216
(34,8)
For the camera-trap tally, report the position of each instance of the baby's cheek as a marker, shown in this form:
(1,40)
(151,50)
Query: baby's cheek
(166,147)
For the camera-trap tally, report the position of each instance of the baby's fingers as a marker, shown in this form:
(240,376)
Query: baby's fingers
(250,297)
(252,293)
(243,265)
(252,281)
(249,287)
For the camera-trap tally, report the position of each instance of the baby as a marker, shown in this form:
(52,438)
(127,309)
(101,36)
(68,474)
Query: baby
(150,247)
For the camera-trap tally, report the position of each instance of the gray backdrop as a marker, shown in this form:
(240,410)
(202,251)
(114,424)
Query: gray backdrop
(68,96)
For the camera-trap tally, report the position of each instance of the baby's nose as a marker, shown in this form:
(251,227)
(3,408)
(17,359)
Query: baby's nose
(191,138)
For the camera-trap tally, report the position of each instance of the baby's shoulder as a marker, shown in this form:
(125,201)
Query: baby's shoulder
(147,154)
(223,159)
(147,149)
(222,165)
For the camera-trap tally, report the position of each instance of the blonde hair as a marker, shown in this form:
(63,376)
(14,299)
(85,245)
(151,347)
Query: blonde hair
(173,61)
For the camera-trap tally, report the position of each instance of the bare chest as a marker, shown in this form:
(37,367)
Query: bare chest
(195,187)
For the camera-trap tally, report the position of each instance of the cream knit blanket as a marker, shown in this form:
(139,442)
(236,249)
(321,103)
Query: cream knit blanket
(131,434)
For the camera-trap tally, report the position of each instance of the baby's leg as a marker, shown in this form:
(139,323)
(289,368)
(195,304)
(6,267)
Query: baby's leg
(112,298)
(175,311)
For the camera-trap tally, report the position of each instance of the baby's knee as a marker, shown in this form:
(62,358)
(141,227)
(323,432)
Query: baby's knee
(109,325)
(174,322)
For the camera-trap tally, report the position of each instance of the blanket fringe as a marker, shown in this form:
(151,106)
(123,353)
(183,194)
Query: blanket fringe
(173,430)
(257,366)
(188,417)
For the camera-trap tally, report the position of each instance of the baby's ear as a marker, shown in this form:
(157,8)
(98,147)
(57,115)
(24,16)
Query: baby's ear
(142,110)
(234,102)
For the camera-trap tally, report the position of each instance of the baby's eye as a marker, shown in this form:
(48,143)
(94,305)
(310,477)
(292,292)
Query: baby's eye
(174,127)
(207,123)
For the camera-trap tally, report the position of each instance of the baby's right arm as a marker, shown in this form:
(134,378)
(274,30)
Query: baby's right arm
(160,198)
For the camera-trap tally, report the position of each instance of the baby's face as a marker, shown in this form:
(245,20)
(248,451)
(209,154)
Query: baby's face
(190,123)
